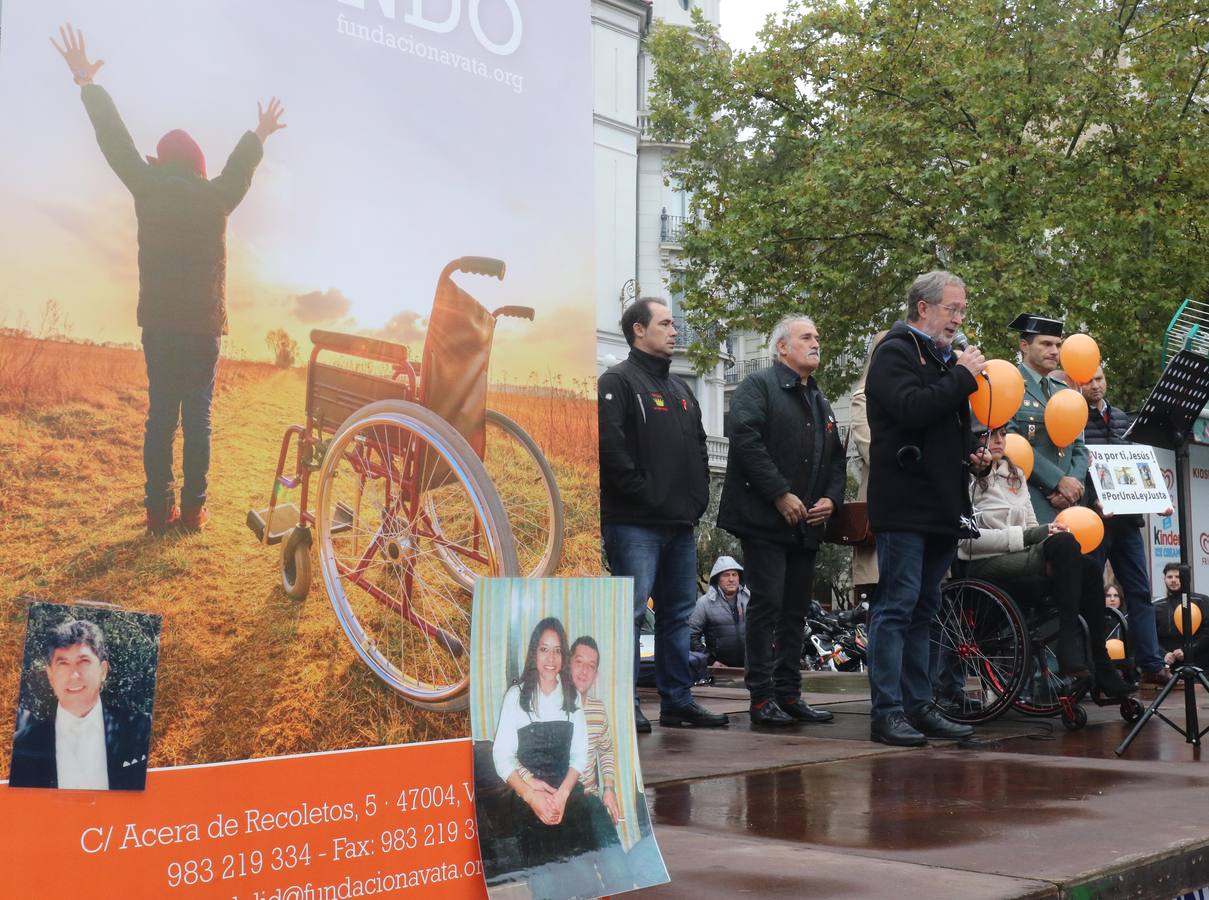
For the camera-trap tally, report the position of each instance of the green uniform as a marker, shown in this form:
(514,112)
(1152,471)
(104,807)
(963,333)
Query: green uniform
(1049,463)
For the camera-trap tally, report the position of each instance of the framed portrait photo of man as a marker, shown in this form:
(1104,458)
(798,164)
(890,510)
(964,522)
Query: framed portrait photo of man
(85,700)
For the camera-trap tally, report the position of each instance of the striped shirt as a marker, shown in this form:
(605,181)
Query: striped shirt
(599,774)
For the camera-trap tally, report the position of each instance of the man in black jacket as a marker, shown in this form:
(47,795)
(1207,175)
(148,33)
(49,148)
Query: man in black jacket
(1166,610)
(920,445)
(784,478)
(182,222)
(1123,544)
(654,486)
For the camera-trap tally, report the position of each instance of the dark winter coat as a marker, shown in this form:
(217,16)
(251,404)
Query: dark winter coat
(1166,608)
(654,465)
(920,438)
(768,444)
(182,224)
(127,737)
(718,628)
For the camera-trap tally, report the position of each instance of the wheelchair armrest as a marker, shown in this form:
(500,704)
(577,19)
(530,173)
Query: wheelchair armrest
(361,346)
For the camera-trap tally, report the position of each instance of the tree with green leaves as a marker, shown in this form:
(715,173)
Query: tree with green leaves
(1054,154)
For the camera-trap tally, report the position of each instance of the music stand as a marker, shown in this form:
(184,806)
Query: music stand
(1165,420)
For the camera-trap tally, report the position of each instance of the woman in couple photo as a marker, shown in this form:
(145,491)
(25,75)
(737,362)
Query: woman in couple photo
(541,749)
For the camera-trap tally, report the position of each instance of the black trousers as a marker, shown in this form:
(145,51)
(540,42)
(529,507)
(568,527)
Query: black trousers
(780,578)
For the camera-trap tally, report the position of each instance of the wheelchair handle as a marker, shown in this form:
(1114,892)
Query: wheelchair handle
(480,265)
(516,312)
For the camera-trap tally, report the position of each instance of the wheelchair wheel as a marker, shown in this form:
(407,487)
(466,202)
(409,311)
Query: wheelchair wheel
(380,551)
(1042,685)
(527,488)
(1116,626)
(1075,721)
(296,563)
(1131,709)
(983,646)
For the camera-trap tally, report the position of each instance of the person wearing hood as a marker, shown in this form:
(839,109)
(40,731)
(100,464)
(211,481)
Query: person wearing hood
(182,254)
(785,476)
(717,624)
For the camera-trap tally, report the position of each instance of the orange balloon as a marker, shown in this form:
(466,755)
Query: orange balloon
(1085,525)
(1020,452)
(1080,356)
(1000,390)
(1065,417)
(1115,648)
(1196,618)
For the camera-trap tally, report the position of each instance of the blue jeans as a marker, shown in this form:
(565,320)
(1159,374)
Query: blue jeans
(901,617)
(662,560)
(181,369)
(1124,547)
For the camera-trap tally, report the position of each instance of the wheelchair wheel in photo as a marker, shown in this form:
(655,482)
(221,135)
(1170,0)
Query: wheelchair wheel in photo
(381,552)
(527,488)
(296,563)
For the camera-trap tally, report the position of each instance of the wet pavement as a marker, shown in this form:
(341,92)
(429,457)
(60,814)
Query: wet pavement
(1025,809)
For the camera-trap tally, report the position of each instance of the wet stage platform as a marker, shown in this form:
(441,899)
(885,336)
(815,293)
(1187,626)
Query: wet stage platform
(1025,809)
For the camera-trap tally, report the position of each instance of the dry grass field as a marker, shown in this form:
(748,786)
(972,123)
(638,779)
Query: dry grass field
(244,671)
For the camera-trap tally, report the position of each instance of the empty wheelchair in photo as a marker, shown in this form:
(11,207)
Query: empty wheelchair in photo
(409,490)
(992,653)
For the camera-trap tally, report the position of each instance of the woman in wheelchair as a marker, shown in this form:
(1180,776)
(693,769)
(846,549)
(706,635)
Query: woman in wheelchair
(1018,554)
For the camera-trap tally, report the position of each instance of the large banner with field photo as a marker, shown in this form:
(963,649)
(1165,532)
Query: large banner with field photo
(295,346)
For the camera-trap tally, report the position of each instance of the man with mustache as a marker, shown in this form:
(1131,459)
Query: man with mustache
(784,479)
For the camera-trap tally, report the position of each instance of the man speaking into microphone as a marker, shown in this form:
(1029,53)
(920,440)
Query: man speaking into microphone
(918,392)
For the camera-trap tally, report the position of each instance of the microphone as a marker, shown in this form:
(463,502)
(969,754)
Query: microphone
(909,453)
(960,343)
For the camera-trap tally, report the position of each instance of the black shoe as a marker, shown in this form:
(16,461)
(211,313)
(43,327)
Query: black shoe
(692,713)
(896,731)
(1110,683)
(770,714)
(800,711)
(930,723)
(641,723)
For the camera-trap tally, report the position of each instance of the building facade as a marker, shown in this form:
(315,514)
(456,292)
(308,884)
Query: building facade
(638,214)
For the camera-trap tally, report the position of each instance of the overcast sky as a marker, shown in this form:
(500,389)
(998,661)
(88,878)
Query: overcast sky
(741,19)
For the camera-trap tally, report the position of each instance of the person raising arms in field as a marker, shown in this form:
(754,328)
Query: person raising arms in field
(182,223)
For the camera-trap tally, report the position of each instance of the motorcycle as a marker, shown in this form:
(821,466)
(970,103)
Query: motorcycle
(836,642)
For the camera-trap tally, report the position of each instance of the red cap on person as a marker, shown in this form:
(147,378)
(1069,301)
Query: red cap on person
(178,147)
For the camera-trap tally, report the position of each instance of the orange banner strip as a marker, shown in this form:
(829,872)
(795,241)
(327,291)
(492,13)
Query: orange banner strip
(361,823)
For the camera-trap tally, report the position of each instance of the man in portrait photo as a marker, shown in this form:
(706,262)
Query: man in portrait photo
(85,743)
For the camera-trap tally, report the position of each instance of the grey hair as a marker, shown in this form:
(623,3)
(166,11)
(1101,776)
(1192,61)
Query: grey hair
(929,288)
(780,331)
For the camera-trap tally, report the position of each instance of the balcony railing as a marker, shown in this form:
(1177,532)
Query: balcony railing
(671,228)
(745,367)
(717,447)
(685,333)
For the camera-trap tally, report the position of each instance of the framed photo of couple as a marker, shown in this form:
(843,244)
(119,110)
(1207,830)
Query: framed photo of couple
(558,787)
